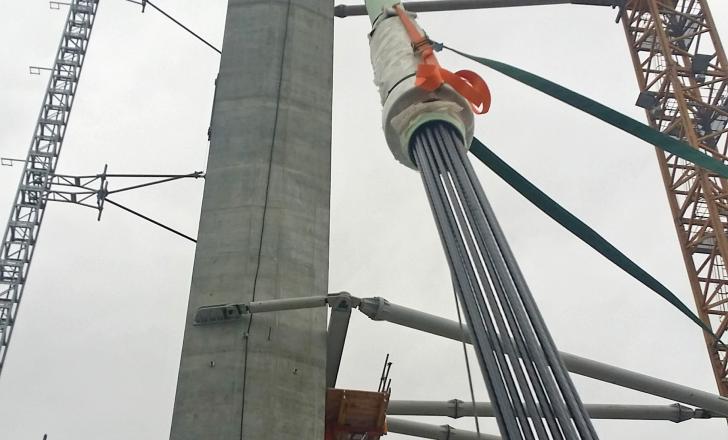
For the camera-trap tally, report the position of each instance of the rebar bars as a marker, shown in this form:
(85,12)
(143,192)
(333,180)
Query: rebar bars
(532,394)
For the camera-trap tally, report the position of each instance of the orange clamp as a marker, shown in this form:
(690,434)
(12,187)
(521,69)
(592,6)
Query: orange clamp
(430,75)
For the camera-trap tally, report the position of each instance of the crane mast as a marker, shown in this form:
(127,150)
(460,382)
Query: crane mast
(26,215)
(682,72)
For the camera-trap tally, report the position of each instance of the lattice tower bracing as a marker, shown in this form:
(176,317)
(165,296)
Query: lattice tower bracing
(682,71)
(26,215)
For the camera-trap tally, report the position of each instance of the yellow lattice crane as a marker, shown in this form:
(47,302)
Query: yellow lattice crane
(682,73)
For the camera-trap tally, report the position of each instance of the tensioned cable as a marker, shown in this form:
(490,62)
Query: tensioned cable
(168,178)
(143,3)
(600,111)
(577,227)
(556,211)
(150,220)
(532,394)
(467,366)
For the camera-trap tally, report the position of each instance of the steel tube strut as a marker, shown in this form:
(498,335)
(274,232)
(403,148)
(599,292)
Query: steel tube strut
(274,305)
(646,384)
(425,430)
(342,11)
(341,306)
(380,309)
(457,408)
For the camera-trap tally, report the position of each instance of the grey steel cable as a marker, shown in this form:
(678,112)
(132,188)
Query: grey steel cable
(150,220)
(178,23)
(503,413)
(470,198)
(537,320)
(563,379)
(520,320)
(467,365)
(501,344)
(533,397)
(479,317)
(440,200)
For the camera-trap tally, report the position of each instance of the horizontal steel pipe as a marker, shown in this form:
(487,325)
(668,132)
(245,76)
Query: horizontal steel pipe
(435,432)
(457,408)
(275,305)
(380,309)
(646,384)
(342,11)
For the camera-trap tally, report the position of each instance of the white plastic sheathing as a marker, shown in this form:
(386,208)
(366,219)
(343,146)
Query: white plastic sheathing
(391,53)
(406,106)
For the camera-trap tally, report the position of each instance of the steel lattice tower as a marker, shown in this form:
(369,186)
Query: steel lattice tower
(26,215)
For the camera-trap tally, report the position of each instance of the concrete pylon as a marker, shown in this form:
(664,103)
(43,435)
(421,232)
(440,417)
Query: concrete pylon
(264,230)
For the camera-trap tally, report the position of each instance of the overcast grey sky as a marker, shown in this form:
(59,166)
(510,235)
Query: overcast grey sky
(96,349)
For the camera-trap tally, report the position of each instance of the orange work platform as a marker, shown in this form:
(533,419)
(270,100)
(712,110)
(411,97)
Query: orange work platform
(355,415)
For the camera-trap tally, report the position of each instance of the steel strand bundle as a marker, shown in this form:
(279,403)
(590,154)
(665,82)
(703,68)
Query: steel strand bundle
(532,394)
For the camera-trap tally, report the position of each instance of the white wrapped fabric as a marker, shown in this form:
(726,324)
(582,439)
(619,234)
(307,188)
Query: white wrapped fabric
(391,53)
(407,106)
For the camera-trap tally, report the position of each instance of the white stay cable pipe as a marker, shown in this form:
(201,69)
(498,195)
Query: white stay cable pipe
(457,408)
(380,309)
(342,11)
(435,432)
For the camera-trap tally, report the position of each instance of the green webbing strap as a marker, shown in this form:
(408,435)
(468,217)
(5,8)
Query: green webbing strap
(606,114)
(577,227)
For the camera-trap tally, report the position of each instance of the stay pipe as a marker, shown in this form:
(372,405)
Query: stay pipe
(343,11)
(435,432)
(379,309)
(457,408)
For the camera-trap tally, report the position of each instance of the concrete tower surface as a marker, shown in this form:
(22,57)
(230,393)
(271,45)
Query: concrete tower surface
(264,230)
